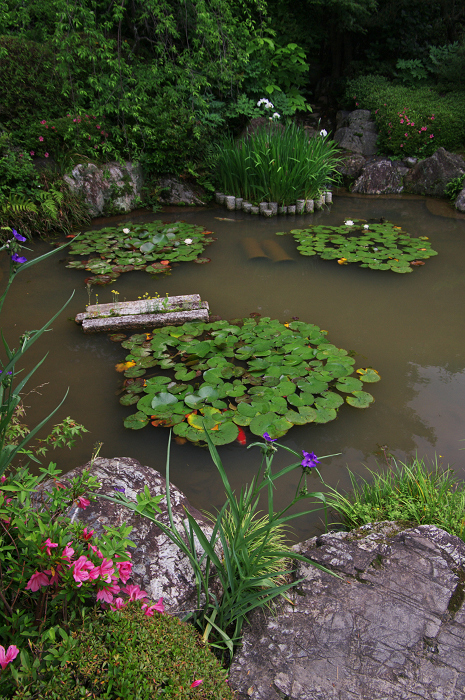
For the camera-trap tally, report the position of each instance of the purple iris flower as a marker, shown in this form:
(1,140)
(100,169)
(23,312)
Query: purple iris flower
(310,460)
(119,488)
(18,236)
(268,437)
(18,258)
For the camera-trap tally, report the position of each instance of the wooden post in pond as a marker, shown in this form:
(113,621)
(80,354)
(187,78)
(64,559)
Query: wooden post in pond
(121,323)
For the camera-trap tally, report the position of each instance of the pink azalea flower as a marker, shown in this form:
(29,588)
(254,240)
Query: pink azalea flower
(36,581)
(406,135)
(134,592)
(49,545)
(67,552)
(95,550)
(46,155)
(119,603)
(41,138)
(32,153)
(87,535)
(98,126)
(158,607)
(11,654)
(431,136)
(196,683)
(3,478)
(107,570)
(81,569)
(53,574)
(82,502)
(106,594)
(124,570)
(44,121)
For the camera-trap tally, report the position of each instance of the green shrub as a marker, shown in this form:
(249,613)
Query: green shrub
(411,121)
(126,655)
(415,493)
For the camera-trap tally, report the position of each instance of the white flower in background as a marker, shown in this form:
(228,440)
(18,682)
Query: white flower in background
(349,223)
(365,226)
(267,103)
(276,116)
(126,230)
(188,241)
(323,133)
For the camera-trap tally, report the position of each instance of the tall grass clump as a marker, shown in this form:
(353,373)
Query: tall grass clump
(415,493)
(276,164)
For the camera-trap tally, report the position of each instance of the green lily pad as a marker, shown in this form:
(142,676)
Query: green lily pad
(349,384)
(136,421)
(163,400)
(369,375)
(360,399)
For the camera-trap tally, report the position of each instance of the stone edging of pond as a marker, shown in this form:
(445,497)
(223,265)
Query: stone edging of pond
(391,624)
(269,209)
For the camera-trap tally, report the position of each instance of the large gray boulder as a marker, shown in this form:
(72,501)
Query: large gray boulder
(110,188)
(358,133)
(431,176)
(381,177)
(390,627)
(174,191)
(159,566)
(351,166)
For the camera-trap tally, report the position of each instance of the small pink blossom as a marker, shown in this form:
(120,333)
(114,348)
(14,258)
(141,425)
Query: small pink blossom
(44,121)
(46,155)
(49,545)
(158,607)
(10,655)
(95,550)
(74,120)
(119,603)
(196,683)
(87,535)
(406,135)
(431,136)
(98,126)
(3,478)
(67,552)
(81,569)
(106,594)
(54,574)
(106,570)
(401,145)
(82,502)
(134,592)
(36,581)
(124,570)
(32,153)
(41,138)
(401,121)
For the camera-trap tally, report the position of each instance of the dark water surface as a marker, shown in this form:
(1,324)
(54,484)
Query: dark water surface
(409,327)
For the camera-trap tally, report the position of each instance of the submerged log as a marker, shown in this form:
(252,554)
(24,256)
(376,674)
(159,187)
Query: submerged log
(253,249)
(141,306)
(275,251)
(121,323)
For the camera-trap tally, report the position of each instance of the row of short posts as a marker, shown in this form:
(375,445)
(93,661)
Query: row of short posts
(269,209)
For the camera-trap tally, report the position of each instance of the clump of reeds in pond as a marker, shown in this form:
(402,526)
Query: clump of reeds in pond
(277,165)
(418,492)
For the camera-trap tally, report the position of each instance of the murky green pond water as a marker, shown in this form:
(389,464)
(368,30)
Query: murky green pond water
(409,327)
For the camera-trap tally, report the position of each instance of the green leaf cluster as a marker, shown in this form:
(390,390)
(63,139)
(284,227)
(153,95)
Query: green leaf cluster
(378,246)
(265,376)
(111,251)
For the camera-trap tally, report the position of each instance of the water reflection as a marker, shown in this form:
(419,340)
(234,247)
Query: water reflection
(409,327)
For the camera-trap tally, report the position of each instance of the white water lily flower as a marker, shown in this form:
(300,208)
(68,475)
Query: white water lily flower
(188,241)
(365,226)
(126,230)
(323,133)
(349,223)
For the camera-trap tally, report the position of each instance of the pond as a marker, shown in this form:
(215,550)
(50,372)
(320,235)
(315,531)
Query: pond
(408,327)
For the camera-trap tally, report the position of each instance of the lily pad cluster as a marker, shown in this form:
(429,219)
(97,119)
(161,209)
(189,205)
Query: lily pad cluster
(379,246)
(263,375)
(151,247)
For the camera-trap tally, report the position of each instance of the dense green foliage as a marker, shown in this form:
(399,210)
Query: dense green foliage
(411,121)
(151,247)
(293,376)
(378,246)
(127,655)
(276,164)
(417,492)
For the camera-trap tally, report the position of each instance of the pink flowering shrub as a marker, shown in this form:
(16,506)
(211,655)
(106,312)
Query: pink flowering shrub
(52,569)
(74,135)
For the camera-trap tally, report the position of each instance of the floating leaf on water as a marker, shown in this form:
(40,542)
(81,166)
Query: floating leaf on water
(123,366)
(369,375)
(360,399)
(202,261)
(136,421)
(117,337)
